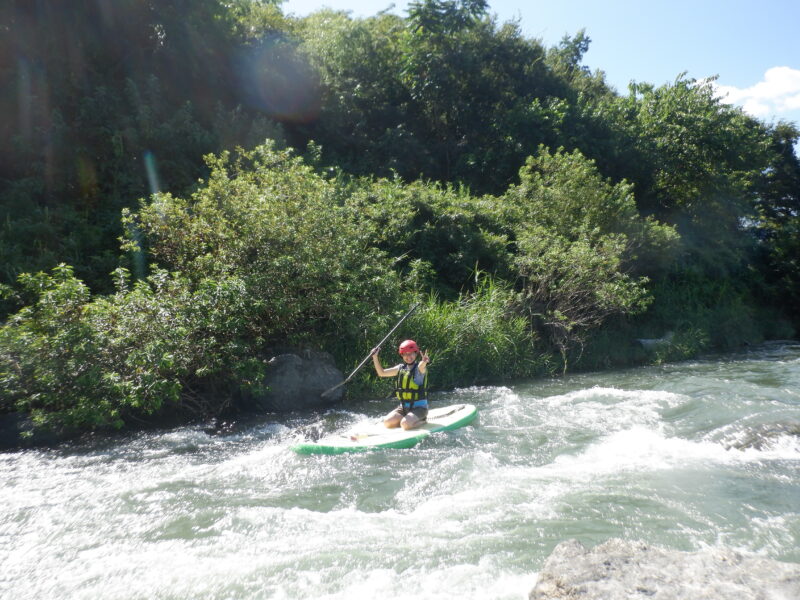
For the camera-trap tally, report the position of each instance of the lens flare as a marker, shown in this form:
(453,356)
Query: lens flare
(276,80)
(152,172)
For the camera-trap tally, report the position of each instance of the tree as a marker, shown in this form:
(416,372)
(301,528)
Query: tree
(445,17)
(778,222)
(365,121)
(565,193)
(700,162)
(577,237)
(570,288)
(99,102)
(445,95)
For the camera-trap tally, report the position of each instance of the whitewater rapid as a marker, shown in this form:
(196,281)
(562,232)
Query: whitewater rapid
(688,456)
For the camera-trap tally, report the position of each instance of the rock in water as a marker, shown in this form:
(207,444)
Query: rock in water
(623,570)
(296,381)
(761,436)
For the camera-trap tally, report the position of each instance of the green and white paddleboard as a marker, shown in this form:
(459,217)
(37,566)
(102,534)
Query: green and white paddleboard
(372,437)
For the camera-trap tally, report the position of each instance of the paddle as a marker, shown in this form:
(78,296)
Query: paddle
(363,362)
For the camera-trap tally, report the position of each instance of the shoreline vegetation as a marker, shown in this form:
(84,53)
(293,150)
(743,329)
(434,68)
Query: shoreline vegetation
(250,179)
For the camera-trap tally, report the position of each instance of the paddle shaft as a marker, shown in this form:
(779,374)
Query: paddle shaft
(383,341)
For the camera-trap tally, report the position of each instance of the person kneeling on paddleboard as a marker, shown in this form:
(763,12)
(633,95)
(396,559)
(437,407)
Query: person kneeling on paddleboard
(411,388)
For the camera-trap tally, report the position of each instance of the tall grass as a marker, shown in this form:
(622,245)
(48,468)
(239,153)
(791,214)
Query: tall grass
(474,340)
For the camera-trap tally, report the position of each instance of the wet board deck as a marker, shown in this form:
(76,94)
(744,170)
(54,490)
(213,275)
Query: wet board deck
(376,436)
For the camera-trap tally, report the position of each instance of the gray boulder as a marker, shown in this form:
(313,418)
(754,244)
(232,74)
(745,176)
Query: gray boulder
(761,436)
(654,344)
(296,380)
(623,570)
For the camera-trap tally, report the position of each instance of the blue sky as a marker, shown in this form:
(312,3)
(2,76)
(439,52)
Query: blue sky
(752,45)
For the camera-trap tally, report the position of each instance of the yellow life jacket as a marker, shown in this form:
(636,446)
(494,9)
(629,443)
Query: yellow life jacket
(406,388)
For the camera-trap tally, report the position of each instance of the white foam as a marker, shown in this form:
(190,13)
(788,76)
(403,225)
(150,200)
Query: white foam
(595,410)
(450,582)
(635,449)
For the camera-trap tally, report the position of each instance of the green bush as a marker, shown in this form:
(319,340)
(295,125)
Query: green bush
(49,351)
(578,237)
(440,230)
(572,287)
(565,193)
(261,255)
(308,268)
(74,362)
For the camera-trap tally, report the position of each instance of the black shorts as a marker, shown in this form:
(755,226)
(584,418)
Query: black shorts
(421,412)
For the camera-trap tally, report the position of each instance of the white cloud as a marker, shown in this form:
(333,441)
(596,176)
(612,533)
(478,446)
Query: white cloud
(756,108)
(776,94)
(793,103)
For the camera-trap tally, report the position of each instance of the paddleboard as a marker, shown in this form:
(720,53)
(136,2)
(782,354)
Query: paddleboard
(376,436)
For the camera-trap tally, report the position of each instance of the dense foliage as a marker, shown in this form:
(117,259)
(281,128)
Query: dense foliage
(279,180)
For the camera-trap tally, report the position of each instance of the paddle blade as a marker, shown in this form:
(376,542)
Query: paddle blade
(329,394)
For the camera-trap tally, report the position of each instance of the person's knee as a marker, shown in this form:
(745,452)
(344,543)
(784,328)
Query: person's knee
(391,421)
(409,422)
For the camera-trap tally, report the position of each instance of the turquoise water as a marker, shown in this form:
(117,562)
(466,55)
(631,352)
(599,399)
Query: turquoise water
(688,456)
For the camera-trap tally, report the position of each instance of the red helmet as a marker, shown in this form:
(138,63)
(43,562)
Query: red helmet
(408,346)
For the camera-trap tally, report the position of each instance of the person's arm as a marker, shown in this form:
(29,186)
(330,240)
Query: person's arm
(422,368)
(390,372)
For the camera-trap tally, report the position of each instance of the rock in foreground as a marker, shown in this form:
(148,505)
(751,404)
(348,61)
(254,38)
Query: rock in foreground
(625,570)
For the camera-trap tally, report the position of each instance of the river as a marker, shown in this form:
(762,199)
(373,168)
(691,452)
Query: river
(688,456)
